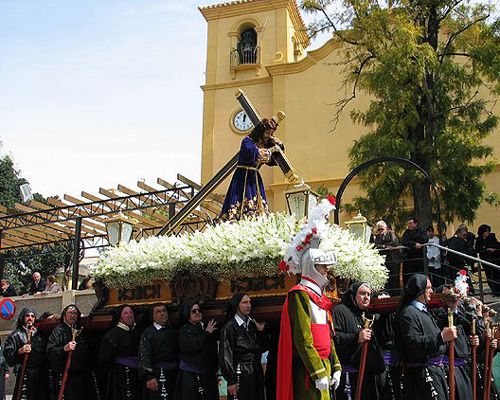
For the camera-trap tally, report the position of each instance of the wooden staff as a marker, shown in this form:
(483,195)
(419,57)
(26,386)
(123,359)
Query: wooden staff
(490,363)
(362,363)
(487,343)
(451,359)
(25,363)
(60,396)
(474,362)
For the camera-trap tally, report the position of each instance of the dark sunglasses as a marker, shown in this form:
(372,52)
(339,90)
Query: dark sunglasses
(196,311)
(30,315)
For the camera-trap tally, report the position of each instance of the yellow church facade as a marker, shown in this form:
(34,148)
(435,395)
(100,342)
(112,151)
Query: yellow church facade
(260,47)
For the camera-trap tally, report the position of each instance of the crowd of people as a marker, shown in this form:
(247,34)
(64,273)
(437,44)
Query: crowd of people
(406,350)
(39,286)
(410,251)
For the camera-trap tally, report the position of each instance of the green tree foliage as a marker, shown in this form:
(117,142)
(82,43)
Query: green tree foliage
(432,71)
(10,180)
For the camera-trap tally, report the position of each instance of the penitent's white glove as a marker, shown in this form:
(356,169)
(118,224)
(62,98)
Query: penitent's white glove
(322,384)
(335,382)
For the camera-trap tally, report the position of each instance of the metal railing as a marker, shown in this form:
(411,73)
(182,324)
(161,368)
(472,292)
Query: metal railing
(239,57)
(442,274)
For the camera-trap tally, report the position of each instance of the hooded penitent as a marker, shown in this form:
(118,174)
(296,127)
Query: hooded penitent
(185,310)
(20,319)
(349,297)
(414,287)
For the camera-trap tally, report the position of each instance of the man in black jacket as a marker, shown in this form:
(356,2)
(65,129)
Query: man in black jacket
(38,285)
(7,289)
(413,238)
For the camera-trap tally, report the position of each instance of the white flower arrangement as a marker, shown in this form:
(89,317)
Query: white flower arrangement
(247,248)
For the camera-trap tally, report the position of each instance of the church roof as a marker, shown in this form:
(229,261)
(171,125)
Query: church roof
(235,7)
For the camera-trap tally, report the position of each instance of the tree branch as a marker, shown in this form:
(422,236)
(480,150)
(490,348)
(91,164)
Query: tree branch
(342,104)
(454,35)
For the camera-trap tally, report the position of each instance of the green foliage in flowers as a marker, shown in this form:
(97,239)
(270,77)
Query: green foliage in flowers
(248,248)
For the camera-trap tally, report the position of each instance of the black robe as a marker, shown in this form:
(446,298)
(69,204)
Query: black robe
(197,378)
(414,257)
(35,385)
(123,380)
(158,359)
(492,274)
(418,339)
(348,322)
(241,349)
(82,381)
(463,385)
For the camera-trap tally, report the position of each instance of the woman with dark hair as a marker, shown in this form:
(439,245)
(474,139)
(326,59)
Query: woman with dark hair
(245,195)
(118,356)
(350,334)
(488,248)
(240,350)
(197,379)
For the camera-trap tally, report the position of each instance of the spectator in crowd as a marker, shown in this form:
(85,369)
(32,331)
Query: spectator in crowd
(7,289)
(385,240)
(38,285)
(457,242)
(434,259)
(488,248)
(413,238)
(52,286)
(85,283)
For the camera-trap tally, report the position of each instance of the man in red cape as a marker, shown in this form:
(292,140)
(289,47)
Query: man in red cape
(306,350)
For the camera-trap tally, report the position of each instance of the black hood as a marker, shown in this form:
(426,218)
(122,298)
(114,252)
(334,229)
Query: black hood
(185,310)
(414,287)
(25,310)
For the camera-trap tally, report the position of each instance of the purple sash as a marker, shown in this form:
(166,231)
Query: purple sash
(436,362)
(459,362)
(391,358)
(130,361)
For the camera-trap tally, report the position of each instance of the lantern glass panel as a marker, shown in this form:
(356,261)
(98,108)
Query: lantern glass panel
(126,232)
(297,204)
(113,229)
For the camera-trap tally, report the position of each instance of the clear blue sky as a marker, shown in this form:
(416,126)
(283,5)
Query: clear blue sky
(96,93)
(99,92)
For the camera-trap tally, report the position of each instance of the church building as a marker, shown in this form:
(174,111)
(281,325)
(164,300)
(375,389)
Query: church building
(260,47)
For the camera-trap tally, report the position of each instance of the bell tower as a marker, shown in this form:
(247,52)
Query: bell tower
(244,38)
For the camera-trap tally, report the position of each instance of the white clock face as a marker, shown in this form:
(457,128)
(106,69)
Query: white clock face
(241,121)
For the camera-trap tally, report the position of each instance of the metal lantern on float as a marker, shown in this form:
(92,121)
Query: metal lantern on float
(301,200)
(120,229)
(359,228)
